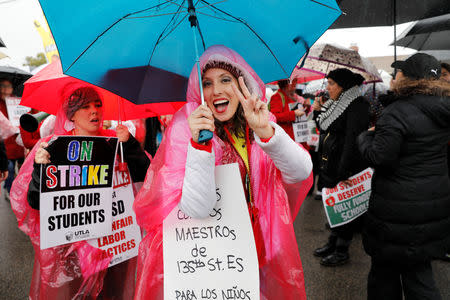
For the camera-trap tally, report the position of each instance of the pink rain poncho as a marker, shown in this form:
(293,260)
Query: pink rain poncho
(71,271)
(281,276)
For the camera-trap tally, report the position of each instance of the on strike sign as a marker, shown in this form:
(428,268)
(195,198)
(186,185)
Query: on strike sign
(344,203)
(212,258)
(76,187)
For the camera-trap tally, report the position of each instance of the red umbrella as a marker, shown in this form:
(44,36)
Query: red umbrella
(306,75)
(45,92)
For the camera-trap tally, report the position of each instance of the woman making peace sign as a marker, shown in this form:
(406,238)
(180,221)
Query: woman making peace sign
(270,164)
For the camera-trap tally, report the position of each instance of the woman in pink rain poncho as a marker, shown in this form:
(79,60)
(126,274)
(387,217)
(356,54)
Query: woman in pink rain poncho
(76,270)
(275,172)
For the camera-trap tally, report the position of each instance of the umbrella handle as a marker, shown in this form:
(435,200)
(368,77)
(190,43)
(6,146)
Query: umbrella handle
(122,164)
(204,136)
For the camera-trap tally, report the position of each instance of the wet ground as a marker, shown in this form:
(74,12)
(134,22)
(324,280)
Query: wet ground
(346,282)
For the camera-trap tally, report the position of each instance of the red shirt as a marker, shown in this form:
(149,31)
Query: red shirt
(284,116)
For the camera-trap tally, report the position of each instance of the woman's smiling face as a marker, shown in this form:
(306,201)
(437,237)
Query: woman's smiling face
(88,118)
(219,94)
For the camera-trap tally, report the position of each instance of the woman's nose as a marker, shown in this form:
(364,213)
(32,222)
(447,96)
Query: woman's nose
(217,89)
(93,109)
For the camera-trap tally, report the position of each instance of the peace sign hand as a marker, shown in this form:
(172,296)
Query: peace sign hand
(255,111)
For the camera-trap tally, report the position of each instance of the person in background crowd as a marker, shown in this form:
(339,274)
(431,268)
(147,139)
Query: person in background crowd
(155,127)
(297,95)
(63,272)
(313,149)
(372,92)
(408,220)
(340,119)
(445,76)
(281,104)
(319,99)
(139,124)
(182,173)
(445,72)
(153,135)
(14,152)
(3,162)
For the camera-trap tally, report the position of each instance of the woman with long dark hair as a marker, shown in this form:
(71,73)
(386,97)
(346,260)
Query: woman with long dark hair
(270,163)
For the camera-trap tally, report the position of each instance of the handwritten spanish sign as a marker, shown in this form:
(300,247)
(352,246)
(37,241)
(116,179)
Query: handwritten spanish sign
(15,110)
(76,188)
(344,203)
(123,243)
(212,258)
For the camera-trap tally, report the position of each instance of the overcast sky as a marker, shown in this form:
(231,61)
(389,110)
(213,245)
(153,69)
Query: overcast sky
(22,39)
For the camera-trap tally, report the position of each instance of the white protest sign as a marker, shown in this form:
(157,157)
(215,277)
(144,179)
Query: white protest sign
(301,131)
(344,203)
(76,188)
(300,125)
(6,128)
(212,258)
(123,243)
(15,110)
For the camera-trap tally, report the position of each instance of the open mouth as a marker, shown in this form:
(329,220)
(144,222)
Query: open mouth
(221,105)
(95,121)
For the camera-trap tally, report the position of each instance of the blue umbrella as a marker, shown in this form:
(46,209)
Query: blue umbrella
(99,41)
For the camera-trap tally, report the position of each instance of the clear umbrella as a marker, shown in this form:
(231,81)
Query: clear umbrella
(323,58)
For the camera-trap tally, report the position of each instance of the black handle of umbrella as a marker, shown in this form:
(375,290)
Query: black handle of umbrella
(204,136)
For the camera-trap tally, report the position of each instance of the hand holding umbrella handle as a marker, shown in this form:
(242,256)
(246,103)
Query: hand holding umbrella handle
(123,135)
(122,164)
(204,136)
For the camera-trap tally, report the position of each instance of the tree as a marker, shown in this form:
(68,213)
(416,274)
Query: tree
(34,62)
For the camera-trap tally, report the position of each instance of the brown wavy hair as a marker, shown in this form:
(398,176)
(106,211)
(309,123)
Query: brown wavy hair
(237,125)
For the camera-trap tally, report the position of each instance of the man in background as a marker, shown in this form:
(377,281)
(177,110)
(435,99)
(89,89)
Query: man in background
(14,152)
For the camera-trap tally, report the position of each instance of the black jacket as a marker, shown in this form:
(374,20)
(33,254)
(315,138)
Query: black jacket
(137,161)
(339,156)
(409,210)
(3,158)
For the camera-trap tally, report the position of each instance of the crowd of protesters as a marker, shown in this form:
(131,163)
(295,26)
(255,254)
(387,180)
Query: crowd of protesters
(407,145)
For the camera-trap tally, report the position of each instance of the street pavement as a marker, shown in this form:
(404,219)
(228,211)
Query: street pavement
(346,282)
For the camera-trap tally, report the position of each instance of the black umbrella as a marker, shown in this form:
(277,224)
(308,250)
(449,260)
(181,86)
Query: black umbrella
(2,44)
(428,34)
(16,76)
(368,13)
(441,55)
